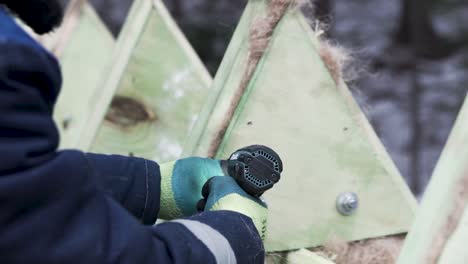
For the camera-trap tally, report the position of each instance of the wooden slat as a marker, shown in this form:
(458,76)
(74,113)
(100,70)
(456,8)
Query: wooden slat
(123,50)
(293,105)
(440,231)
(455,250)
(302,256)
(73,15)
(161,86)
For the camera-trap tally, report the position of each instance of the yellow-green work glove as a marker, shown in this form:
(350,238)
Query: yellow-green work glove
(223,193)
(181,185)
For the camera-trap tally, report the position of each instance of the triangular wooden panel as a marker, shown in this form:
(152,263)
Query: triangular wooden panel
(441,226)
(160,84)
(328,147)
(84,57)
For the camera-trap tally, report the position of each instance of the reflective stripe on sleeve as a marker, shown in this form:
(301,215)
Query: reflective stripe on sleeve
(213,240)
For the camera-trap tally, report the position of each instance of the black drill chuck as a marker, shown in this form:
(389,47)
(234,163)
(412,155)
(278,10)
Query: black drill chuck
(255,168)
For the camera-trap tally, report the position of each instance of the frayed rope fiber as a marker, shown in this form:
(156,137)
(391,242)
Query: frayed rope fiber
(260,35)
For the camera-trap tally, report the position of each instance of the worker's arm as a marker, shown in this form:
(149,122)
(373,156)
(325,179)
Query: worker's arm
(144,189)
(132,182)
(55,213)
(52,208)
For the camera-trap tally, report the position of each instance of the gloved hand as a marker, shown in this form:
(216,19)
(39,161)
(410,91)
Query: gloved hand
(181,185)
(223,193)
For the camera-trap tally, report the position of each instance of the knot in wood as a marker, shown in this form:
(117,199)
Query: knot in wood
(126,112)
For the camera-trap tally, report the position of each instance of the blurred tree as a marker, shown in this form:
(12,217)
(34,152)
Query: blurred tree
(417,30)
(417,33)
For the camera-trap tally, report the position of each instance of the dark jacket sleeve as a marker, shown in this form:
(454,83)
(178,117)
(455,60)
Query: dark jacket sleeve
(53,207)
(132,182)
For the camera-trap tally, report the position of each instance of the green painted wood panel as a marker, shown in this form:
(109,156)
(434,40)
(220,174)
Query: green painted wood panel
(293,105)
(83,62)
(160,94)
(438,202)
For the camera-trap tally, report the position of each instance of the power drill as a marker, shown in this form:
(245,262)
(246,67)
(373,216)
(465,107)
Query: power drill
(255,168)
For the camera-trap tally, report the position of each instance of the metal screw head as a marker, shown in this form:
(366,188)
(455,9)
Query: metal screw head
(347,203)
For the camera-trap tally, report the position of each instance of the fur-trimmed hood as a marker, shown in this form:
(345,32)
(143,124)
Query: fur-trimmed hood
(41,15)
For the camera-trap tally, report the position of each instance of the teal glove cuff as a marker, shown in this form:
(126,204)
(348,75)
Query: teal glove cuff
(181,185)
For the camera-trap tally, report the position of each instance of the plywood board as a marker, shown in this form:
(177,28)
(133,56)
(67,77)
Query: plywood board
(161,87)
(328,147)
